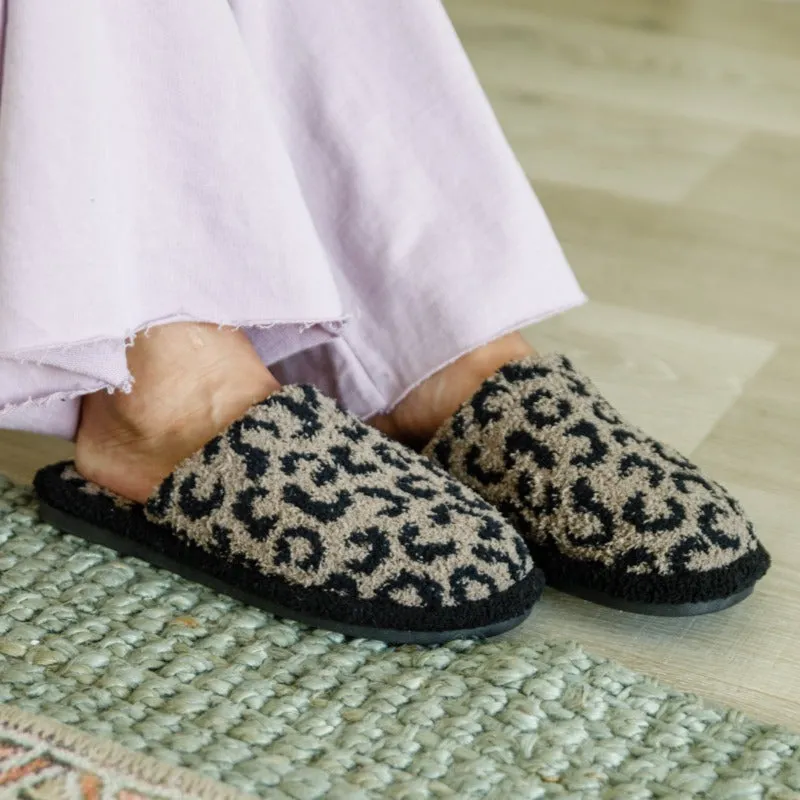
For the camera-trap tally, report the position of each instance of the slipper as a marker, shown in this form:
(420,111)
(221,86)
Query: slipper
(301,509)
(610,514)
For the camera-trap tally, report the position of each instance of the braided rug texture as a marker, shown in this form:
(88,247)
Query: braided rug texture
(181,673)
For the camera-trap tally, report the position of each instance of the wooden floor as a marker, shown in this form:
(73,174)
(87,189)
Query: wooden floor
(663,137)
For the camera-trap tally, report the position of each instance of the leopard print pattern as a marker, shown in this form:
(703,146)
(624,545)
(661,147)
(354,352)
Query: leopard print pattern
(540,443)
(306,492)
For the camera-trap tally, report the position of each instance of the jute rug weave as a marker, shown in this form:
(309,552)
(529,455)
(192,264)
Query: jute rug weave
(174,671)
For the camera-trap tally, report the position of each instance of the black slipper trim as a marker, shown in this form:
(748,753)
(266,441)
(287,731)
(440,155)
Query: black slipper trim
(620,589)
(126,529)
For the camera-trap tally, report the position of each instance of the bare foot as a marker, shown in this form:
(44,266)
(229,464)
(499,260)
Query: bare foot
(417,418)
(191,381)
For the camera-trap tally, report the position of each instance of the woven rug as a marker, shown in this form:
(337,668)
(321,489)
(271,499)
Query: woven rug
(179,673)
(43,760)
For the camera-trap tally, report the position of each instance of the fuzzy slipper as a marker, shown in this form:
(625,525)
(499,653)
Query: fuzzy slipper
(610,514)
(302,510)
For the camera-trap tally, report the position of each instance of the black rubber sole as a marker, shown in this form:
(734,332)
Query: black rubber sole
(658,609)
(654,595)
(128,547)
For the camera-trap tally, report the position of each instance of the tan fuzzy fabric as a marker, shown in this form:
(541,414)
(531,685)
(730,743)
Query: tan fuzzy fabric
(540,443)
(306,492)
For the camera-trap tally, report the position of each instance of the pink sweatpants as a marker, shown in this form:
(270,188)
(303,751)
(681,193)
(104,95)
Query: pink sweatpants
(327,175)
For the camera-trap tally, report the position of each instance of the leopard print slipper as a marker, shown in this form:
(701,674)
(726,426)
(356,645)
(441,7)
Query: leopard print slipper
(301,509)
(610,514)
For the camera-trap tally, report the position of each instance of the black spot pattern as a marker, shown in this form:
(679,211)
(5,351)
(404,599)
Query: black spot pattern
(427,590)
(464,576)
(605,413)
(481,406)
(197,507)
(710,517)
(464,501)
(520,442)
(631,461)
(440,515)
(354,431)
(539,418)
(634,512)
(305,411)
(160,502)
(586,502)
(211,450)
(599,502)
(290,462)
(307,512)
(476,471)
(417,486)
(549,503)
(421,552)
(311,541)
(494,555)
(625,437)
(442,453)
(309,492)
(221,541)
(342,456)
(598,449)
(256,459)
(260,528)
(320,510)
(669,455)
(396,505)
(491,529)
(325,474)
(300,487)
(685,480)
(379,548)
(389,456)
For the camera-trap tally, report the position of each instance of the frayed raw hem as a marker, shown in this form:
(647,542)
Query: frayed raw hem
(463,351)
(56,397)
(332,326)
(40,401)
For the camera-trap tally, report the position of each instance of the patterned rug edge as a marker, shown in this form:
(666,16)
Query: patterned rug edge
(50,759)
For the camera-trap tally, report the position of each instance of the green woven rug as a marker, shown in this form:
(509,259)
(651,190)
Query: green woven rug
(177,672)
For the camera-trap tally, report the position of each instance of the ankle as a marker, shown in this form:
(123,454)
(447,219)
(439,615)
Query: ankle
(475,367)
(182,397)
(415,420)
